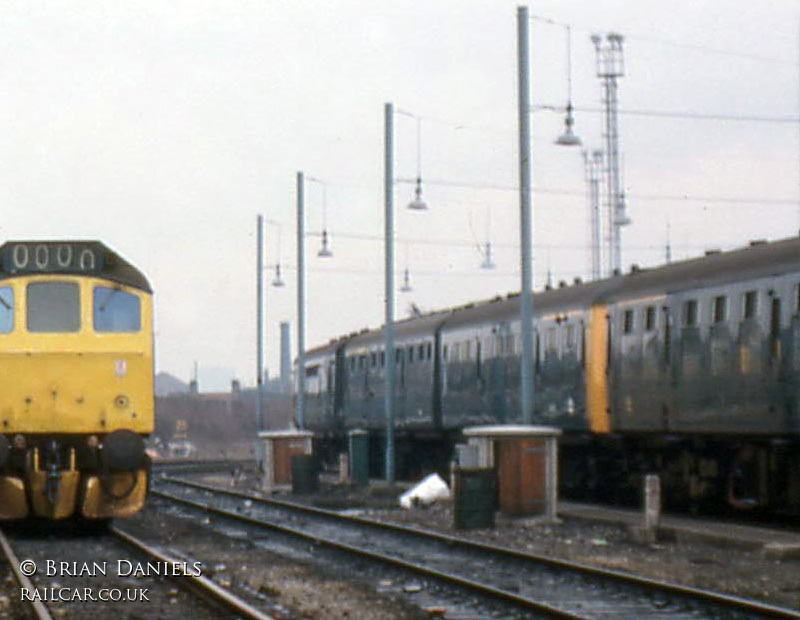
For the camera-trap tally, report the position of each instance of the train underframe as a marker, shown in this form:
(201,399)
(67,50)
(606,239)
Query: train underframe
(56,477)
(699,474)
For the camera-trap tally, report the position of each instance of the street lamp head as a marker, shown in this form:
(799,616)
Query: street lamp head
(277,281)
(418,204)
(406,288)
(621,219)
(487,257)
(568,138)
(324,251)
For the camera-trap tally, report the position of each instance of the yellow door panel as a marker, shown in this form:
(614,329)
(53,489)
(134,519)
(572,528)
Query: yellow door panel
(596,375)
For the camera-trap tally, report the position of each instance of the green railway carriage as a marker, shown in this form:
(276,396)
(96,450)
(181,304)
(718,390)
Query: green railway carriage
(690,370)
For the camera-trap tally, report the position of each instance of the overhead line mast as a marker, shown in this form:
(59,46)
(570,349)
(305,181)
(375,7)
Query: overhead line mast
(610,67)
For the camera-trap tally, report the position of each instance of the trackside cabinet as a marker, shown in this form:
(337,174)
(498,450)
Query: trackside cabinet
(358,449)
(279,448)
(525,460)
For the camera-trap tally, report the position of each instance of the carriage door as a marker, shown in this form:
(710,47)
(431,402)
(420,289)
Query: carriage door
(329,393)
(775,334)
(339,384)
(777,390)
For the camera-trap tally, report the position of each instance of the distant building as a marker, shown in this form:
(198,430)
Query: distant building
(167,384)
(220,419)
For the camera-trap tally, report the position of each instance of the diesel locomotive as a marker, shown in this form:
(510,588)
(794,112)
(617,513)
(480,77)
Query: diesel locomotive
(76,381)
(690,370)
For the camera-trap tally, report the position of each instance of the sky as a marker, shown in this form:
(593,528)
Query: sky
(164,129)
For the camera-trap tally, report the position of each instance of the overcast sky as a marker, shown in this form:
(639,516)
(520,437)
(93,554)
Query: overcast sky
(164,128)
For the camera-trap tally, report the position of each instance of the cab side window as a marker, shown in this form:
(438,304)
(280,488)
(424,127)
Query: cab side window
(6,309)
(114,310)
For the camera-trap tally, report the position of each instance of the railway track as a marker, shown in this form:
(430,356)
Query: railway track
(36,609)
(537,584)
(195,466)
(202,598)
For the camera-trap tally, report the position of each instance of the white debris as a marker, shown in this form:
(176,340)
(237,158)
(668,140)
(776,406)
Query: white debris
(431,489)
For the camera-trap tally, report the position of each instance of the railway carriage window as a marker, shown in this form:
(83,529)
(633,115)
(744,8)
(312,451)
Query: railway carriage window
(583,344)
(720,309)
(775,330)
(467,351)
(650,318)
(383,359)
(53,307)
(750,304)
(430,350)
(627,322)
(508,349)
(6,309)
(421,352)
(551,340)
(797,300)
(361,360)
(352,364)
(444,352)
(690,313)
(372,359)
(570,337)
(456,352)
(410,354)
(115,311)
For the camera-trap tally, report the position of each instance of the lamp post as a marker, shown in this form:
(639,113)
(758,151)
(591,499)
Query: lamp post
(299,411)
(568,138)
(388,330)
(259,324)
(416,204)
(526,301)
(324,252)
